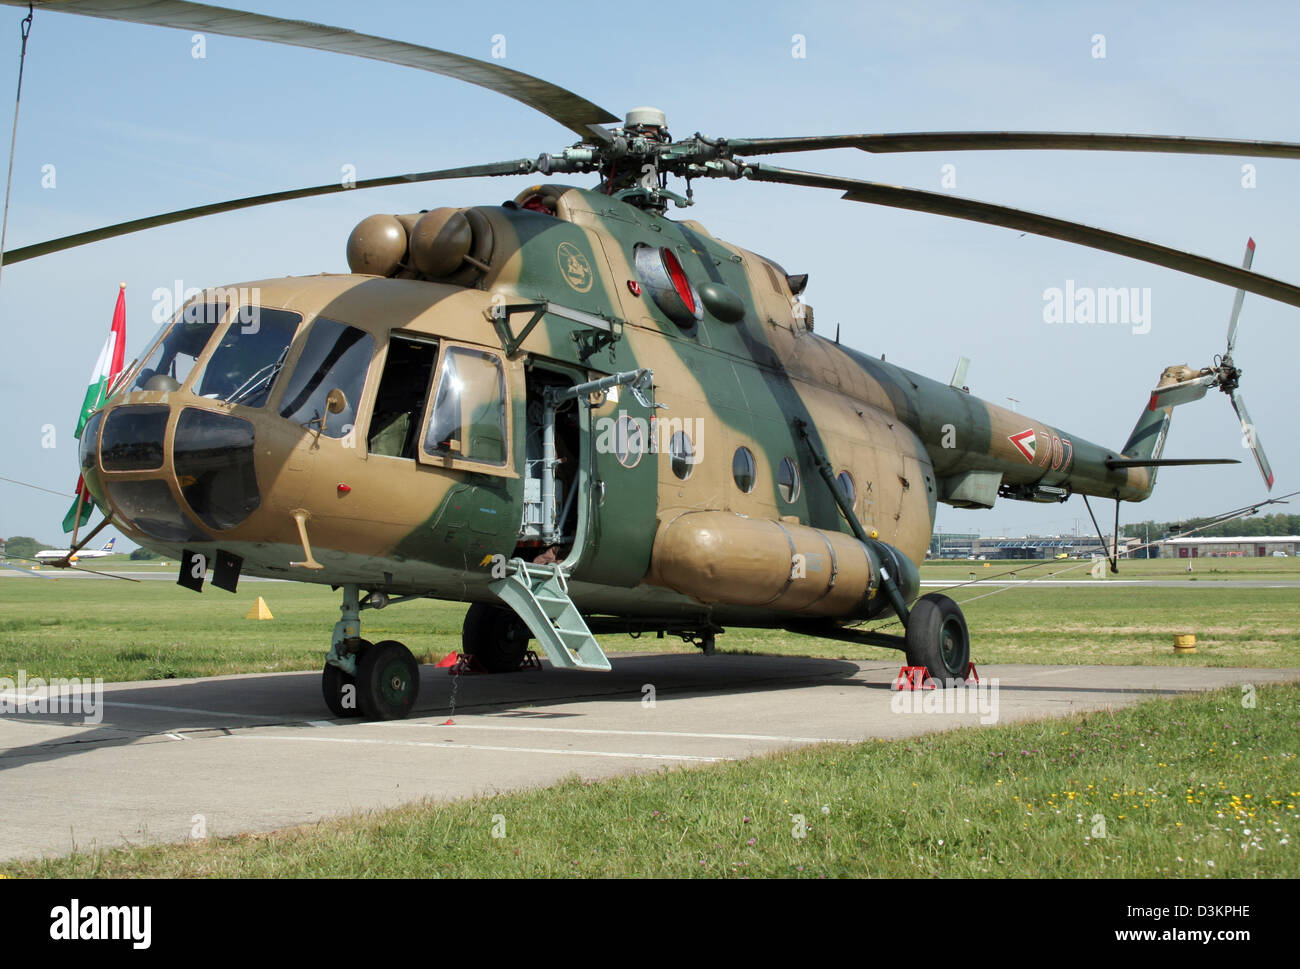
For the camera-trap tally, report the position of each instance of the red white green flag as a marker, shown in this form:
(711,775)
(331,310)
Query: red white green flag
(107,369)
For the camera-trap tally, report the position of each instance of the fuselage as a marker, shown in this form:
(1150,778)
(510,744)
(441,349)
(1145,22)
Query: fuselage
(387,431)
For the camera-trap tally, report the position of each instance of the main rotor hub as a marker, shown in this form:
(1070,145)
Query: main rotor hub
(647,121)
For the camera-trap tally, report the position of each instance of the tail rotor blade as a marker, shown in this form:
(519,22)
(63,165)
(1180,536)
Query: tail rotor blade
(1251,439)
(1241,295)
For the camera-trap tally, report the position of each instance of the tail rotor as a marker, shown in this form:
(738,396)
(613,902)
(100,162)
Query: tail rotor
(1222,375)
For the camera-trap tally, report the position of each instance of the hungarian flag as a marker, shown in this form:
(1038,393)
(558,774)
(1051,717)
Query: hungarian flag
(107,369)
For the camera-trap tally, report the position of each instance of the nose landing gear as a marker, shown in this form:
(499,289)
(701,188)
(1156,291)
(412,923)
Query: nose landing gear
(388,681)
(340,689)
(379,681)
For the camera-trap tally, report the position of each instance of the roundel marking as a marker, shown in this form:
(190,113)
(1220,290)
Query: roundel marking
(574,267)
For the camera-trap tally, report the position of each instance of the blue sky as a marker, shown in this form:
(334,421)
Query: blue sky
(135,125)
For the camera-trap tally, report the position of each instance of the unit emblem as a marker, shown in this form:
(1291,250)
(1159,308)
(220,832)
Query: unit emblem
(574,267)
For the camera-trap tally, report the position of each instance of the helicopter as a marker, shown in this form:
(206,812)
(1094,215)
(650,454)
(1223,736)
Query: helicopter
(579,415)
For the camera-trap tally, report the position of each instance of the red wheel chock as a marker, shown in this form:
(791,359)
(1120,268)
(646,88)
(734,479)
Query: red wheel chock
(918,678)
(456,663)
(913,678)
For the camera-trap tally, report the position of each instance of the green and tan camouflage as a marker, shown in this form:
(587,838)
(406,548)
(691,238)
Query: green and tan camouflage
(667,539)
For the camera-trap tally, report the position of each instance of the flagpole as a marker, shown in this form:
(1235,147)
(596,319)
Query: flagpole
(103,379)
(76,521)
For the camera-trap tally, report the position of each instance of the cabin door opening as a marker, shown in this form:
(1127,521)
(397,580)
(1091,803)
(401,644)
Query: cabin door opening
(554,475)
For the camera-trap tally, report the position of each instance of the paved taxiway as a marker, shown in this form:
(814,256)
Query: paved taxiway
(252,753)
(51,573)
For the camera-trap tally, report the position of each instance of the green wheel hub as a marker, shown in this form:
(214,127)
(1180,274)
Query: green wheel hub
(388,681)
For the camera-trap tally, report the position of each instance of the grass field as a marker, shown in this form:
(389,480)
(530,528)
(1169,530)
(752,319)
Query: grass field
(154,630)
(1199,786)
(1202,570)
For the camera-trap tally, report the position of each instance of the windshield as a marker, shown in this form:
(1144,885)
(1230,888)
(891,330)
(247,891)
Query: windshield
(173,357)
(244,365)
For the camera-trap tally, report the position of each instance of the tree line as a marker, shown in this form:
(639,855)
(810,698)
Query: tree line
(1259,525)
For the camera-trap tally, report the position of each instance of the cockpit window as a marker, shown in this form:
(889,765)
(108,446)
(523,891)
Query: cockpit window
(469,409)
(335,356)
(173,358)
(244,365)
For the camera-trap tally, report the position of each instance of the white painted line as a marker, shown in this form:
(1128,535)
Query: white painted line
(206,713)
(176,736)
(43,693)
(454,746)
(322,723)
(626,733)
(1050,671)
(970,584)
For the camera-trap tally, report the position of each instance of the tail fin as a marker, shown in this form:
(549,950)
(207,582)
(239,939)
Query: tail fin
(1147,441)
(108,546)
(1148,438)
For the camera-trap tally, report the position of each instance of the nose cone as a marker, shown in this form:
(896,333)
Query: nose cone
(210,466)
(213,458)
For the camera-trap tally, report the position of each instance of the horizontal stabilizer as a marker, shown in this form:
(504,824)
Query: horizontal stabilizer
(1114,463)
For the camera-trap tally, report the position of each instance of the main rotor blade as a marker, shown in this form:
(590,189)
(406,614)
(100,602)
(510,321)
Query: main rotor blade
(520,166)
(1251,438)
(1017,140)
(1237,300)
(574,112)
(916,200)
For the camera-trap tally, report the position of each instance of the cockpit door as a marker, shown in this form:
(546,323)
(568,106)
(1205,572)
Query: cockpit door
(468,430)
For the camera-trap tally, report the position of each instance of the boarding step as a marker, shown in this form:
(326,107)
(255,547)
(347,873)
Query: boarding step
(539,595)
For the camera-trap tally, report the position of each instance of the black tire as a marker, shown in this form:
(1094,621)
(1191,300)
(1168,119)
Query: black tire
(388,681)
(495,637)
(333,683)
(937,638)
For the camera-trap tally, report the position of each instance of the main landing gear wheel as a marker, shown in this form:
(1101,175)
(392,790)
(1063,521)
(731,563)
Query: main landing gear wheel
(495,637)
(340,689)
(937,638)
(388,681)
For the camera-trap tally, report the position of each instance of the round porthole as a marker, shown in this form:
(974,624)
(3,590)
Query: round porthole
(847,488)
(787,480)
(629,441)
(743,469)
(682,453)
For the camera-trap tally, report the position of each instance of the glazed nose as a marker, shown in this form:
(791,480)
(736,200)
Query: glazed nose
(210,464)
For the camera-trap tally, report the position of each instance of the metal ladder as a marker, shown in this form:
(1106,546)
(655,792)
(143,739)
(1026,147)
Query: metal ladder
(539,595)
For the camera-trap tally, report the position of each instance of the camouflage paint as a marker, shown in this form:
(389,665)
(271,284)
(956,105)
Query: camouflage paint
(429,525)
